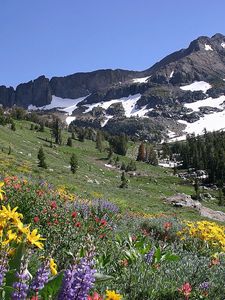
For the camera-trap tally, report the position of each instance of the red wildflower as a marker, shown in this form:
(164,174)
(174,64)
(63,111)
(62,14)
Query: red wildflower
(17,186)
(97,220)
(102,236)
(103,222)
(56,221)
(95,296)
(78,224)
(186,290)
(167,225)
(36,219)
(53,205)
(74,214)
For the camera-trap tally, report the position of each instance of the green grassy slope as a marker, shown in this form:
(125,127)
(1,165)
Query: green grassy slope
(145,193)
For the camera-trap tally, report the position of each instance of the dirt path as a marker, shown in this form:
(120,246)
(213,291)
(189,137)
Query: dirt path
(183,200)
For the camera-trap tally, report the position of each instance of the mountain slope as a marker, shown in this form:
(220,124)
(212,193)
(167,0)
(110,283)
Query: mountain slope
(105,98)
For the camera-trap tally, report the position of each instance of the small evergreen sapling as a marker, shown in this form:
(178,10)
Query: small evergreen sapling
(73,163)
(41,158)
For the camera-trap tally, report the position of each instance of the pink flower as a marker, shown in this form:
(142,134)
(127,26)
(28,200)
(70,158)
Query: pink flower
(95,296)
(186,290)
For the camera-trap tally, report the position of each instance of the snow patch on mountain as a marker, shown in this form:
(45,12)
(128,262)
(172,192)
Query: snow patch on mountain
(223,45)
(171,74)
(208,47)
(69,120)
(141,80)
(106,120)
(196,86)
(129,105)
(216,102)
(63,104)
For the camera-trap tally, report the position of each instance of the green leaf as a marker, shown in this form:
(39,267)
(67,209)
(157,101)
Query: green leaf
(52,287)
(99,277)
(14,265)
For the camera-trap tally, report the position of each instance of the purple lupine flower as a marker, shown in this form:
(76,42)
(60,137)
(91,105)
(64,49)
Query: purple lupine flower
(3,266)
(204,285)
(149,256)
(41,277)
(104,206)
(21,287)
(77,281)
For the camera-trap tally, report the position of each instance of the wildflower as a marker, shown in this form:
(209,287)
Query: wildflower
(74,214)
(112,295)
(204,285)
(78,224)
(53,267)
(21,287)
(53,205)
(149,256)
(3,266)
(77,281)
(103,222)
(36,219)
(41,277)
(11,214)
(186,289)
(167,225)
(35,239)
(95,296)
(1,191)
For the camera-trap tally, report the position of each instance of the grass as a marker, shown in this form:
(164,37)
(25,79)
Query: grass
(145,193)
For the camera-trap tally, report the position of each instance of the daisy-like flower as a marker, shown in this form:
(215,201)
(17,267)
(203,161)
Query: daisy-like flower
(11,214)
(53,267)
(1,191)
(35,239)
(112,295)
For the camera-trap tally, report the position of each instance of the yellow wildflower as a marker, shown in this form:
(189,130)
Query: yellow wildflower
(1,191)
(10,214)
(35,239)
(53,267)
(112,295)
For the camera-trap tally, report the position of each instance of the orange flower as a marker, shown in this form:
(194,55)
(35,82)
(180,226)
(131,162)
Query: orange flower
(167,225)
(95,296)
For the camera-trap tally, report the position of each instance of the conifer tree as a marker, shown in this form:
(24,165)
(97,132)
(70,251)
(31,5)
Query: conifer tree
(69,142)
(141,153)
(13,126)
(73,163)
(41,158)
(124,181)
(99,140)
(57,131)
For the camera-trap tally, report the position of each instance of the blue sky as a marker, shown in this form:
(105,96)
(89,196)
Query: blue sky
(61,37)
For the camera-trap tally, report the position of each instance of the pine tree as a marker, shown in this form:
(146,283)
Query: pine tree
(73,163)
(57,131)
(99,140)
(73,135)
(69,142)
(10,150)
(42,127)
(124,181)
(13,126)
(141,153)
(196,188)
(41,158)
